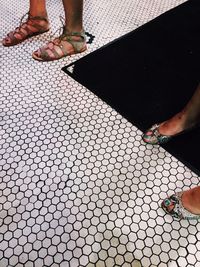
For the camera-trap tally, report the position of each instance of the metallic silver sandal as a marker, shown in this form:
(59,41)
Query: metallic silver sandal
(178,211)
(153,137)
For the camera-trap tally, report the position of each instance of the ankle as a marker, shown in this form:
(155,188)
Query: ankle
(73,29)
(33,14)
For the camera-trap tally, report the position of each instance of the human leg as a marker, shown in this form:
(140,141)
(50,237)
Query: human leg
(72,40)
(38,8)
(36,23)
(73,15)
(188,118)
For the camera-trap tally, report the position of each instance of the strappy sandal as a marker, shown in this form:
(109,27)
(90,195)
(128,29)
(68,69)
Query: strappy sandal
(31,27)
(56,49)
(173,205)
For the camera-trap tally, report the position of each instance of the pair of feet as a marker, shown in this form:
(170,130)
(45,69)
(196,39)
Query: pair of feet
(68,43)
(182,205)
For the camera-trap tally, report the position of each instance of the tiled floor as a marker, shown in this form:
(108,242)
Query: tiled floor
(78,187)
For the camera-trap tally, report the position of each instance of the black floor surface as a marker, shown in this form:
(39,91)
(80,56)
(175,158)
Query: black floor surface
(149,74)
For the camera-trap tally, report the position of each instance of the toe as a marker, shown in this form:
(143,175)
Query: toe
(37,55)
(6,41)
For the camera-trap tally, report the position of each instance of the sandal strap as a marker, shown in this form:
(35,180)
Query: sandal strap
(45,50)
(68,37)
(37,18)
(37,26)
(25,26)
(77,44)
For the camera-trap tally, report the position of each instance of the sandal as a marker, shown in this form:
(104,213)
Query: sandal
(31,27)
(173,205)
(154,137)
(56,49)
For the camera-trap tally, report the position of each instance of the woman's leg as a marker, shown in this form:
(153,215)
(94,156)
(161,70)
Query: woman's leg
(72,40)
(187,118)
(36,23)
(38,8)
(73,15)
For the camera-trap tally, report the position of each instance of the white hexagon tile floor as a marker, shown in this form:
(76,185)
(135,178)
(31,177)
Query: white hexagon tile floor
(77,185)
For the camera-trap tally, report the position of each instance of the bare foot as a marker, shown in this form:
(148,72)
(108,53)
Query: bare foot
(173,126)
(176,124)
